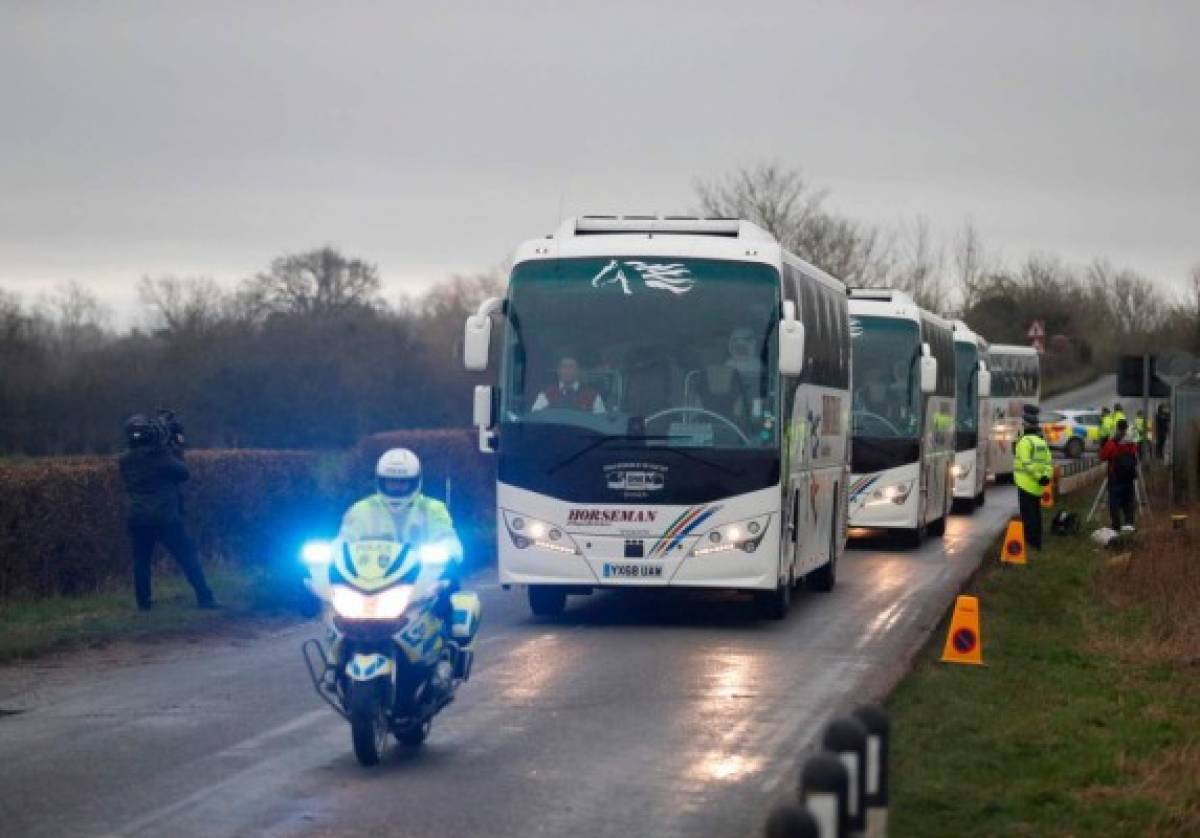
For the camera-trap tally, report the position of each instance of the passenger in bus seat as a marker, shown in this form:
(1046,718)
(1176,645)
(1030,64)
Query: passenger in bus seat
(569,393)
(729,388)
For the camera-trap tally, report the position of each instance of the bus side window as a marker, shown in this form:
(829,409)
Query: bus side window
(812,330)
(821,368)
(844,339)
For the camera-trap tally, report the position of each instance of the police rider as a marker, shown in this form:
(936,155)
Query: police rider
(398,511)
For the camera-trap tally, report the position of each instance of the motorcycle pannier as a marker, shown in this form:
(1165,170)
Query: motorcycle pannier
(467,611)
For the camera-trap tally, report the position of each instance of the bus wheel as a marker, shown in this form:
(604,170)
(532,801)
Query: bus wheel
(546,600)
(979,499)
(913,537)
(938,528)
(824,577)
(774,605)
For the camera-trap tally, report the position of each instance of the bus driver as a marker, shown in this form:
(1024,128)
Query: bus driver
(569,393)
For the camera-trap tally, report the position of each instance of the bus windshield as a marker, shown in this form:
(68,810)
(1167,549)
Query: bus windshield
(671,352)
(966,356)
(887,395)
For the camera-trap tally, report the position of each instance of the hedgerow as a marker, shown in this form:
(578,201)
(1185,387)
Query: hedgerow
(62,521)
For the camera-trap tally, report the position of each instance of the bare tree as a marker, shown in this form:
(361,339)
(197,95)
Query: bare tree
(76,316)
(775,198)
(920,271)
(183,305)
(782,202)
(971,265)
(317,283)
(1134,306)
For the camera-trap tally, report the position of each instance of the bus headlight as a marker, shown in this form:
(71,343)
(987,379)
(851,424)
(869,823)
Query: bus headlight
(527,532)
(388,605)
(740,535)
(896,493)
(960,470)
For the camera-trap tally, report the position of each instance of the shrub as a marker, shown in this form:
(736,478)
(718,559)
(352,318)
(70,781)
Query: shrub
(62,522)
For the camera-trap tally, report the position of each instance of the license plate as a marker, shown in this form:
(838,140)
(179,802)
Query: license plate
(613,570)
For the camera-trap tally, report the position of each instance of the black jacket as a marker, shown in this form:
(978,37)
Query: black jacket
(152,477)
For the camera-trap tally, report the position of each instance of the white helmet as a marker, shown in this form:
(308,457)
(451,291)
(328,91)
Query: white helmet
(398,477)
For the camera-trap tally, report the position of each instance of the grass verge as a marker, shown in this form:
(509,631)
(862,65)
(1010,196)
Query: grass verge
(34,628)
(1072,728)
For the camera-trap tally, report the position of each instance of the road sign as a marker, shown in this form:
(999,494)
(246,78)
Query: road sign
(1037,329)
(1130,376)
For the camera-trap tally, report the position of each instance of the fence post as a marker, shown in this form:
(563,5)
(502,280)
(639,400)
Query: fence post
(847,738)
(875,802)
(790,821)
(823,790)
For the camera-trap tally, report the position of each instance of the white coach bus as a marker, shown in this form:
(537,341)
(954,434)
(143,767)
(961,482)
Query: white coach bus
(673,410)
(903,438)
(1016,381)
(973,416)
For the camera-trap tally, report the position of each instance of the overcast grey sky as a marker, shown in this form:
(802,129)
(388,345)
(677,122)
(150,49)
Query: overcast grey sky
(430,137)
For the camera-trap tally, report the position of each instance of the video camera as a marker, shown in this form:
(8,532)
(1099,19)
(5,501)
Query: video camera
(170,428)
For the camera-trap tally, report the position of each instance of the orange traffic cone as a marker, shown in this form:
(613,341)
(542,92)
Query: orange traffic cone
(1013,550)
(964,643)
(1050,491)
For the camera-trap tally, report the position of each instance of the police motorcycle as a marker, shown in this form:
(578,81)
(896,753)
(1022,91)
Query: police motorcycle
(400,641)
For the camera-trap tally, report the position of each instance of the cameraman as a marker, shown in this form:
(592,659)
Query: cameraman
(152,470)
(1122,457)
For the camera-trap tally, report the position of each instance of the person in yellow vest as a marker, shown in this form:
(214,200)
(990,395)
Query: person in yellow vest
(1106,426)
(398,511)
(1142,435)
(1033,467)
(1118,415)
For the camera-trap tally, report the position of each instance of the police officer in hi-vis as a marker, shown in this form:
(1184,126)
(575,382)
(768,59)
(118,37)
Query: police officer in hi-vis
(1033,467)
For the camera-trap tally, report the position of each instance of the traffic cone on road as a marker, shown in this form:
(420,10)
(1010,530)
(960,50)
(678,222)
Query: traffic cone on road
(964,643)
(1013,549)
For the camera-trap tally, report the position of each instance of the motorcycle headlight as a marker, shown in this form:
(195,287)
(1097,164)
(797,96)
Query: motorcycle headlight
(387,605)
(896,493)
(316,553)
(741,535)
(527,532)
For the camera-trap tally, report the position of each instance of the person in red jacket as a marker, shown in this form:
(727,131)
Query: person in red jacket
(569,393)
(1122,458)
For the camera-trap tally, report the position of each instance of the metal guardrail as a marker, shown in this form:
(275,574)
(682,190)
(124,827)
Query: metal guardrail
(1070,468)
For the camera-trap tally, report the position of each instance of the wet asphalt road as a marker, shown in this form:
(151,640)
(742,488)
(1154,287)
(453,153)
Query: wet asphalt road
(631,715)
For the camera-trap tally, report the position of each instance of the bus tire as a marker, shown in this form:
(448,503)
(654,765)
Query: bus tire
(938,528)
(913,537)
(547,600)
(979,499)
(774,605)
(824,578)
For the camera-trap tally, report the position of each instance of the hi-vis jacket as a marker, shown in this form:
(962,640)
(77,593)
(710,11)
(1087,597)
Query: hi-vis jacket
(1032,462)
(424,521)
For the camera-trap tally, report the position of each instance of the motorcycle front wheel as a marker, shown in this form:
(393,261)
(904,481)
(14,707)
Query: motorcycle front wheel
(368,722)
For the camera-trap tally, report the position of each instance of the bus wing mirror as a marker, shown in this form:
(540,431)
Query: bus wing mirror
(484,409)
(985,384)
(929,371)
(477,335)
(791,346)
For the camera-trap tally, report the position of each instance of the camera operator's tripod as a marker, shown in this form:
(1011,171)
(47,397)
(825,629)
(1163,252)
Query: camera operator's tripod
(1139,493)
